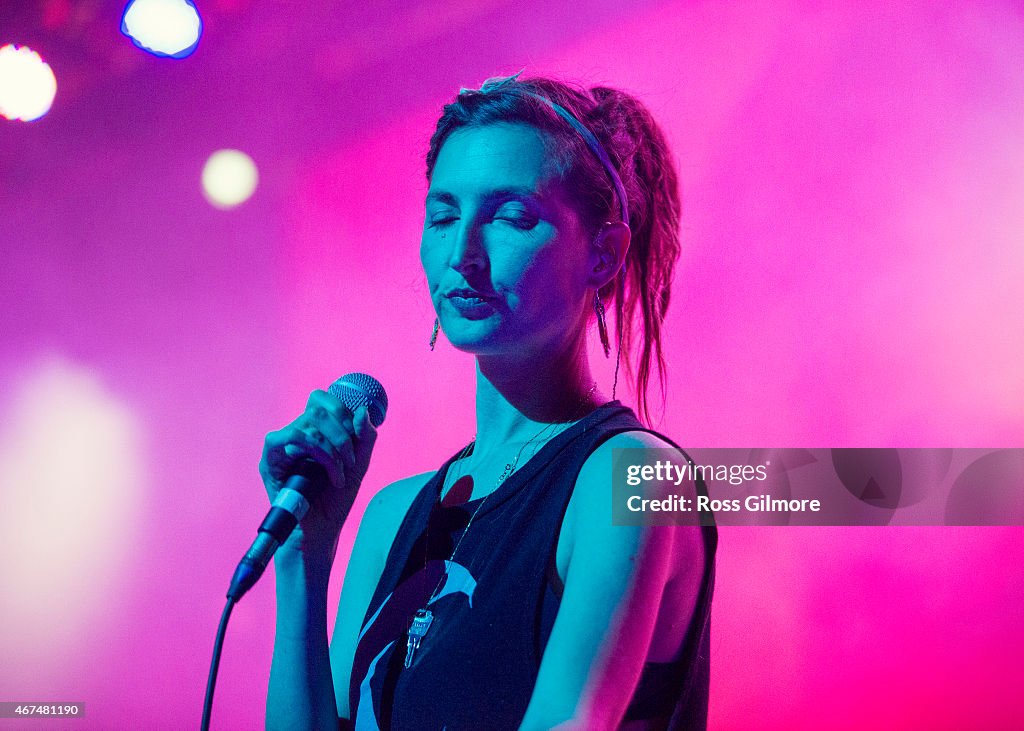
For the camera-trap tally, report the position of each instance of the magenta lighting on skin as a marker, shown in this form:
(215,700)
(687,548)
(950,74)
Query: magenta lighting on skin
(190,245)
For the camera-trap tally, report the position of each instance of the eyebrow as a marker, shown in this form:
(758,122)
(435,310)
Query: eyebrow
(443,196)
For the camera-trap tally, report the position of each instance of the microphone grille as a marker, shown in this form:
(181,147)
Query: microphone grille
(358,389)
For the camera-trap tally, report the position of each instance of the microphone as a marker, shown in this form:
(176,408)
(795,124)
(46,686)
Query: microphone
(307,478)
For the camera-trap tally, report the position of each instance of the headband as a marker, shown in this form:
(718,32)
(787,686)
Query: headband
(589,137)
(595,146)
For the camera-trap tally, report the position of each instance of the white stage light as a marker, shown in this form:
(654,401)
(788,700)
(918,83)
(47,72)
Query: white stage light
(163,27)
(71,479)
(27,84)
(229,178)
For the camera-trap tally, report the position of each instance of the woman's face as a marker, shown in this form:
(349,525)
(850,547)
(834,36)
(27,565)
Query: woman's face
(504,252)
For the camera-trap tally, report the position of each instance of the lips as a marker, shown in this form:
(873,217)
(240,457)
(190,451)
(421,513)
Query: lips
(470,303)
(464,293)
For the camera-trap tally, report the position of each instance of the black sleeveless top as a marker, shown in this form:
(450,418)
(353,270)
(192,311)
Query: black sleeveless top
(477,665)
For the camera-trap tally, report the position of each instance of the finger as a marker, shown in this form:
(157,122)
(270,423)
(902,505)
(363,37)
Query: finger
(293,443)
(336,425)
(366,435)
(326,429)
(273,455)
(320,399)
(347,455)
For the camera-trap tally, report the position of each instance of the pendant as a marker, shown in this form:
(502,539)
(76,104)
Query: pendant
(421,622)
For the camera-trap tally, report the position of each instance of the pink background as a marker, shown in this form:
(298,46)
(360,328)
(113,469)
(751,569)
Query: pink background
(853,247)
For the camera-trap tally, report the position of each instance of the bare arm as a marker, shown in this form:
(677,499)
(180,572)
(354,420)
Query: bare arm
(309,679)
(377,532)
(301,692)
(616,585)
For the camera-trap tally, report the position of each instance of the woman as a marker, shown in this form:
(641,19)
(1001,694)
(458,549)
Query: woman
(495,592)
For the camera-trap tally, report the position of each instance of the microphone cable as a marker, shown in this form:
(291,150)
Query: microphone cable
(211,680)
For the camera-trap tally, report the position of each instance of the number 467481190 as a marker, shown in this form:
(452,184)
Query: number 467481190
(14,709)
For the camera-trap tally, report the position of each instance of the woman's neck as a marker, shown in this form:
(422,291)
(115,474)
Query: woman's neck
(516,398)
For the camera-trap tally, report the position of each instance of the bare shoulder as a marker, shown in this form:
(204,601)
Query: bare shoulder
(379,525)
(589,517)
(400,493)
(593,491)
(388,506)
(629,440)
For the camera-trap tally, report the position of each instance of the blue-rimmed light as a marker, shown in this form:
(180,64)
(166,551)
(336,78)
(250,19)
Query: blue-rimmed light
(168,28)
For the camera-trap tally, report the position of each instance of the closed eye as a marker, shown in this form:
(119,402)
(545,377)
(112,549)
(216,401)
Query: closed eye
(517,215)
(521,222)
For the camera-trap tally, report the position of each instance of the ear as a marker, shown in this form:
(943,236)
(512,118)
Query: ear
(607,253)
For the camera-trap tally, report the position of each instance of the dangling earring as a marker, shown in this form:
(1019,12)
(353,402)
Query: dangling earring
(602,327)
(433,335)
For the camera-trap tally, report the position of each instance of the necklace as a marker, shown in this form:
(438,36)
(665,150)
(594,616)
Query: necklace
(423,618)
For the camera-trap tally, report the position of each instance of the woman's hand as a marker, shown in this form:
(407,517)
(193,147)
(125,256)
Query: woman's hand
(328,433)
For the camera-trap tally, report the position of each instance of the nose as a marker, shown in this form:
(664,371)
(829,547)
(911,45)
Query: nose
(468,253)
